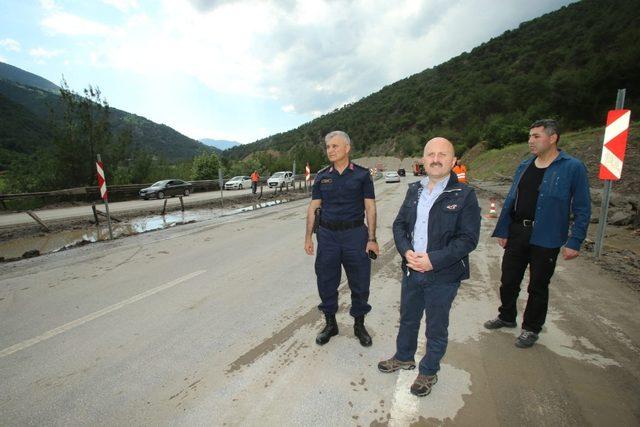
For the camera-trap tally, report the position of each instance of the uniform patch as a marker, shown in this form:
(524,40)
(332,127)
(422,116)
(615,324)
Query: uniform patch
(326,181)
(452,207)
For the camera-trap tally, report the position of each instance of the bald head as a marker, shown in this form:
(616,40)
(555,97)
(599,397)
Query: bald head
(439,158)
(440,144)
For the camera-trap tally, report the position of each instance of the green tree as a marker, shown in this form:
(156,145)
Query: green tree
(205,166)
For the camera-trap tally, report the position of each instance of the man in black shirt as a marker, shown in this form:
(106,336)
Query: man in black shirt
(534,225)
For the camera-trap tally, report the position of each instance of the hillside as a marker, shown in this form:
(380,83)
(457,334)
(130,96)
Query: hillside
(27,113)
(20,76)
(499,164)
(566,64)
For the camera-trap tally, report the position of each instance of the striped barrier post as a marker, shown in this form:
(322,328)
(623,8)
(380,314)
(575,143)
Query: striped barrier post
(102,184)
(614,145)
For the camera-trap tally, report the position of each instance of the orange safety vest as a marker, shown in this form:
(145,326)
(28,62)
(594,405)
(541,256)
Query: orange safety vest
(461,172)
(255,177)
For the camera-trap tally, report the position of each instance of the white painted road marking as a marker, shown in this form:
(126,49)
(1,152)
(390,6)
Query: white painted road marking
(75,323)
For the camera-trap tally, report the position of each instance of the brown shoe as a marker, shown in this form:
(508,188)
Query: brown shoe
(394,364)
(423,384)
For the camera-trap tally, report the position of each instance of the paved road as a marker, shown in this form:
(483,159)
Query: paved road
(214,324)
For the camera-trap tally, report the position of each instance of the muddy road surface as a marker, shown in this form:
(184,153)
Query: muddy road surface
(214,324)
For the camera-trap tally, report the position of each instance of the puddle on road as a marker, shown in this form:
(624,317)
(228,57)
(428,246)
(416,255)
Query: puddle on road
(27,247)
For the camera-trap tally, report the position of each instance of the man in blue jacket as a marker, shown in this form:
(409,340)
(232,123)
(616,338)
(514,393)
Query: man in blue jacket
(436,228)
(534,225)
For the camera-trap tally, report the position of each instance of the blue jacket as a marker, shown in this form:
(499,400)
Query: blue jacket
(454,230)
(564,190)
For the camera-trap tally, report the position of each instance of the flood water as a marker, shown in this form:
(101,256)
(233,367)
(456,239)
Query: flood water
(57,241)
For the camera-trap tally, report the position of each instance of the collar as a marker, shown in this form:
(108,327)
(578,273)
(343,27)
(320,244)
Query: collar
(350,167)
(440,185)
(562,155)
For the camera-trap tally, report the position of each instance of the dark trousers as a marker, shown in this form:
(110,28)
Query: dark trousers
(254,187)
(519,254)
(335,250)
(435,301)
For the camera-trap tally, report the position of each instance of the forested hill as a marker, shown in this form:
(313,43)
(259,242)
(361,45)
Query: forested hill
(27,100)
(566,64)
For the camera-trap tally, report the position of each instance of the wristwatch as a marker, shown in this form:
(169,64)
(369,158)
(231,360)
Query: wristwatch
(373,239)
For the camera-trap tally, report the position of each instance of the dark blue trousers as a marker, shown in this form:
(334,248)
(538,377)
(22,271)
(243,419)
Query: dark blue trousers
(434,299)
(335,250)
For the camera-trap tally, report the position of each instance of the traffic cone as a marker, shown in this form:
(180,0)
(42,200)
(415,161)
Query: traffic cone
(492,210)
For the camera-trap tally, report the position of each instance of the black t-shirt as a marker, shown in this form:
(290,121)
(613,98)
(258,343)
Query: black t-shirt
(528,189)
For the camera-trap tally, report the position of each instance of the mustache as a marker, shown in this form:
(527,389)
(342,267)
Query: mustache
(435,164)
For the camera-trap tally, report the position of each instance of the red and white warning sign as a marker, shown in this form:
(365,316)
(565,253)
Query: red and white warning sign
(307,172)
(615,144)
(102,182)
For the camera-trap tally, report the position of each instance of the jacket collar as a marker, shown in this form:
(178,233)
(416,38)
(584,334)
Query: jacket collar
(562,155)
(452,184)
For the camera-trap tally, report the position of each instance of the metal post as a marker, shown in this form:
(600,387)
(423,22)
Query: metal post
(95,213)
(606,194)
(221,183)
(106,208)
(293,170)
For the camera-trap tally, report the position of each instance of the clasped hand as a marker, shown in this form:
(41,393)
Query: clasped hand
(418,261)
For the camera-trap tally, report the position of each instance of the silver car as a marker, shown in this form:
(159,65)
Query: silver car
(391,176)
(238,183)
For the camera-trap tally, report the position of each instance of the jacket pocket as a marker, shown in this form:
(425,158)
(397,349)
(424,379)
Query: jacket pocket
(559,187)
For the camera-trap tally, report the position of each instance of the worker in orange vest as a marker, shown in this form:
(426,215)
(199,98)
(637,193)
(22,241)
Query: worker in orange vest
(255,177)
(461,171)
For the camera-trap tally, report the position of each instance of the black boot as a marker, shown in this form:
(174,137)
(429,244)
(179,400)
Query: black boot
(330,330)
(361,332)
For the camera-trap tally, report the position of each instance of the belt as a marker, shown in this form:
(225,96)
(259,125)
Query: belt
(526,222)
(341,225)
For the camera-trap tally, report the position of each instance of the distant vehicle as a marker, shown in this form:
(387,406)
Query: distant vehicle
(238,183)
(167,187)
(418,169)
(402,172)
(280,179)
(391,176)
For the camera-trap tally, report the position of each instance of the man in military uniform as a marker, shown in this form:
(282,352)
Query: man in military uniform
(342,194)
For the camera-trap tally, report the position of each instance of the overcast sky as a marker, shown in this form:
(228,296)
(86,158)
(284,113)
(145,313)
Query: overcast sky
(245,69)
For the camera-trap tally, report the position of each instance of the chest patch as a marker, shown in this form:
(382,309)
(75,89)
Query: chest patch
(326,181)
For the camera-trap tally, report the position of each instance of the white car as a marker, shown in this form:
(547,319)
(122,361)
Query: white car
(391,176)
(238,183)
(280,179)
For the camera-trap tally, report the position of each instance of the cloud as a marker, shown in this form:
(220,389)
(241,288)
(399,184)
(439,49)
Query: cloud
(10,45)
(123,5)
(42,53)
(311,56)
(73,25)
(48,5)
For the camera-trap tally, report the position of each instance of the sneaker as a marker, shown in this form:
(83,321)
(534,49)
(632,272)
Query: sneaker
(423,384)
(526,339)
(498,323)
(394,364)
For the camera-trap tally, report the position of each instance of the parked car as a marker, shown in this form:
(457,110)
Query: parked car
(238,183)
(280,179)
(391,176)
(402,172)
(167,187)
